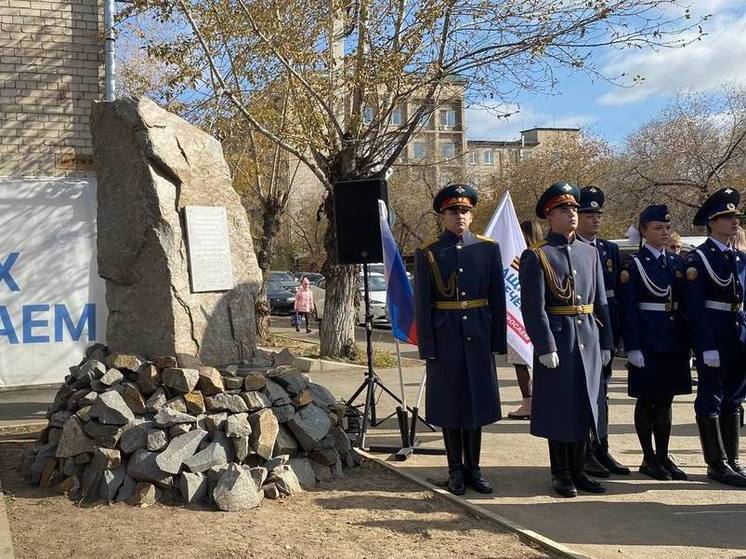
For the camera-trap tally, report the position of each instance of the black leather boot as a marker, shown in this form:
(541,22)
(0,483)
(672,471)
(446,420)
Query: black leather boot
(454,452)
(559,460)
(472,449)
(712,447)
(730,430)
(579,477)
(608,461)
(591,464)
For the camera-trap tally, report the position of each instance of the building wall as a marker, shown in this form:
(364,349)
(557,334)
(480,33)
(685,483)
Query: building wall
(51,69)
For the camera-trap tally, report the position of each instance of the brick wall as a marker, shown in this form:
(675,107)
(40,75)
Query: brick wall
(51,68)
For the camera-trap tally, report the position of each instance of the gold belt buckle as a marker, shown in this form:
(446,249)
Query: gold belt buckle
(464,304)
(736,307)
(579,309)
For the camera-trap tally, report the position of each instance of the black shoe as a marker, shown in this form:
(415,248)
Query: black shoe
(474,479)
(456,482)
(650,467)
(563,485)
(676,473)
(593,467)
(585,483)
(723,473)
(608,462)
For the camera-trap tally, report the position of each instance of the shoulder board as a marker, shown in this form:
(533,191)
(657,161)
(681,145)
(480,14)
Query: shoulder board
(428,243)
(485,239)
(538,244)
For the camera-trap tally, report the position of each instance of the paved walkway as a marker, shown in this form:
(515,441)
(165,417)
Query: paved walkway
(638,517)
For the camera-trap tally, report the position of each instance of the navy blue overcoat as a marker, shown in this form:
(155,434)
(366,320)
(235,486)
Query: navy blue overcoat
(464,275)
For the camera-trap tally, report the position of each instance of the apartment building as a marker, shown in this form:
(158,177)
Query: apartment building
(489,160)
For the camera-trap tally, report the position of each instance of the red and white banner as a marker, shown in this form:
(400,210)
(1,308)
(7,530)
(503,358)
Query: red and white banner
(506,230)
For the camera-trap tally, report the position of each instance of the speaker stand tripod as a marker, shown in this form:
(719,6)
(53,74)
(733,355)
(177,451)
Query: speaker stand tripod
(373,381)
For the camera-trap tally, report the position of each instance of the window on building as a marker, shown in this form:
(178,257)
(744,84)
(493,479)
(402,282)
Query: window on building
(448,118)
(368,114)
(420,150)
(488,157)
(448,150)
(473,157)
(426,120)
(396,116)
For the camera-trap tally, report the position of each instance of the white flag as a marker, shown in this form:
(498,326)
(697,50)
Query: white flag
(505,229)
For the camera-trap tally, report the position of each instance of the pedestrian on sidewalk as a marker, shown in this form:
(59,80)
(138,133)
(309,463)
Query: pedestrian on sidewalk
(655,335)
(461,323)
(304,304)
(563,300)
(714,306)
(532,234)
(598,461)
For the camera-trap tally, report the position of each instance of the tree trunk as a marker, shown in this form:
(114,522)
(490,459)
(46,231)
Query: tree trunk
(271,222)
(337,330)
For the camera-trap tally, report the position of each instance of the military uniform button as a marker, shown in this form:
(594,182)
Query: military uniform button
(672,318)
(579,321)
(579,297)
(468,338)
(463,293)
(582,346)
(460,269)
(459,247)
(464,317)
(575,272)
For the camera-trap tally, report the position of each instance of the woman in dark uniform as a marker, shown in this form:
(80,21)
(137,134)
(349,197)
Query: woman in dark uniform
(655,336)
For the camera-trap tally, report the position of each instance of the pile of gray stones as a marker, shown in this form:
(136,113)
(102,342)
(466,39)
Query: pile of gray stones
(126,429)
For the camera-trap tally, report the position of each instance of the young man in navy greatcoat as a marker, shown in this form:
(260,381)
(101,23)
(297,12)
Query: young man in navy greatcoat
(714,306)
(598,461)
(567,297)
(461,323)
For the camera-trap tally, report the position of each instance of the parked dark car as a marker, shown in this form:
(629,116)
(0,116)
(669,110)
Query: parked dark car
(313,277)
(285,279)
(280,299)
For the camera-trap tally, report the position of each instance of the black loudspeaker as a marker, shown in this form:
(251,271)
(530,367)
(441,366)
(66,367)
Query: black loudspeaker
(356,220)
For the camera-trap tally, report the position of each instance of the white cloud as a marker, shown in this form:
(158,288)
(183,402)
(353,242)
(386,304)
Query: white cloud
(483,122)
(719,58)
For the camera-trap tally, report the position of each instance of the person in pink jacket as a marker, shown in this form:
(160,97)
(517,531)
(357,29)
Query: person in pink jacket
(304,304)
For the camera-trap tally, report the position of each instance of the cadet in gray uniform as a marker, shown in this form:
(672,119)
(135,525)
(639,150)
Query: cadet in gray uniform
(566,283)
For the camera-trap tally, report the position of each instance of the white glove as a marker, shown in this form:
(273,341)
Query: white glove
(605,357)
(549,360)
(635,358)
(711,358)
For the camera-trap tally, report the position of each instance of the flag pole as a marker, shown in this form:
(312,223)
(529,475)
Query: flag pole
(402,413)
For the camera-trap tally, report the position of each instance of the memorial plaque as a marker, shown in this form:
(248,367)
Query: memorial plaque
(210,267)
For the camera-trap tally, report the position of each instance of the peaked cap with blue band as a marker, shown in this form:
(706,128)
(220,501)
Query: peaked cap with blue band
(591,199)
(721,203)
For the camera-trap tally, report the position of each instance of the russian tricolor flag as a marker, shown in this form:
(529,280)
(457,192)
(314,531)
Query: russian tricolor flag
(399,296)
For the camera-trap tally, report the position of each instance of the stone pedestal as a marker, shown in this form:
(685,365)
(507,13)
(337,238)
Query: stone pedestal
(150,165)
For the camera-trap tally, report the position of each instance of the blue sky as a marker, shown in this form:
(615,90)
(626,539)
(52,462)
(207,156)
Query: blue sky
(613,112)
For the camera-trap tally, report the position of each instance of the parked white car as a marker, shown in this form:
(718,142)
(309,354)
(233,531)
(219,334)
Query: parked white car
(377,288)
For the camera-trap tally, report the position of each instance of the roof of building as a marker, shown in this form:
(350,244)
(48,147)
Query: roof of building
(550,128)
(493,143)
